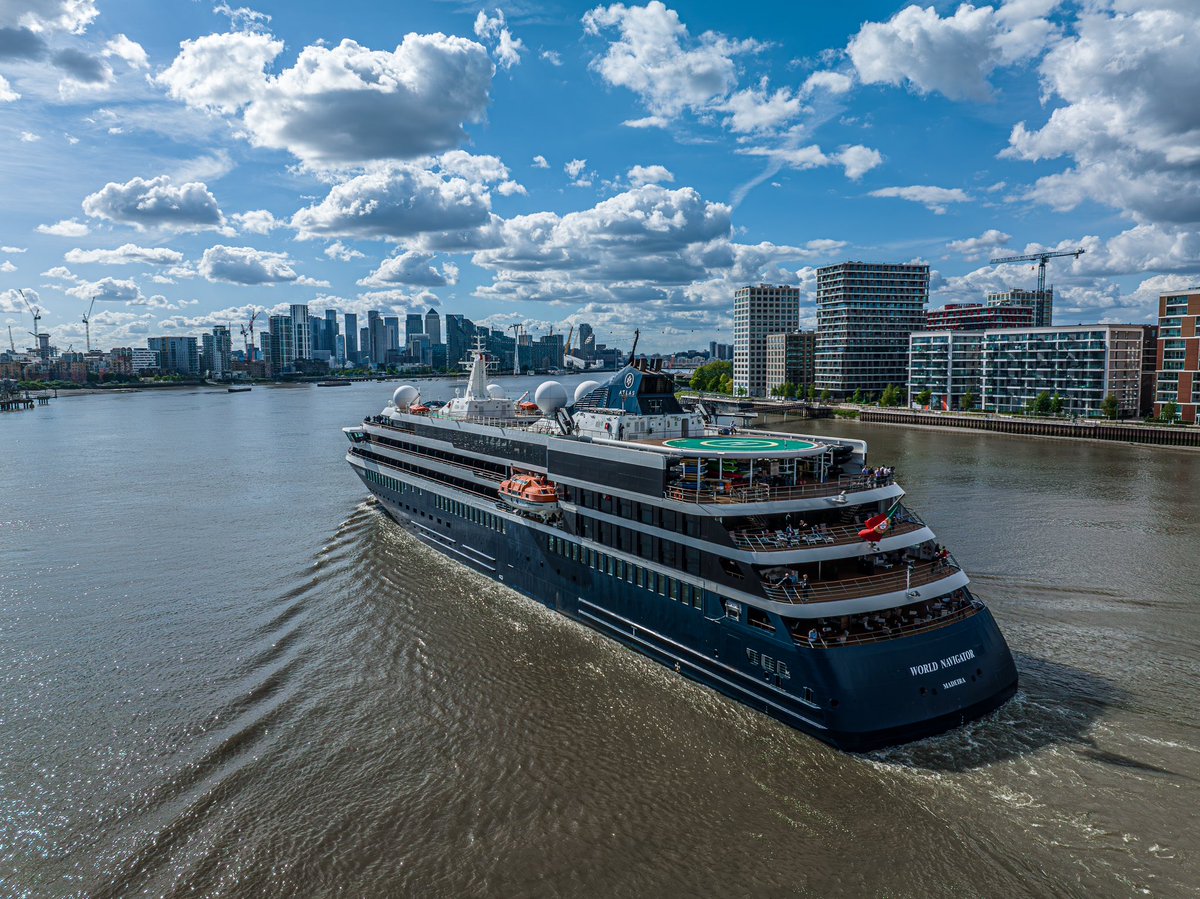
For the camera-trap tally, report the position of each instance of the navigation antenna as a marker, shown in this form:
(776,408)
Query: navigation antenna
(516,329)
(637,332)
(87,327)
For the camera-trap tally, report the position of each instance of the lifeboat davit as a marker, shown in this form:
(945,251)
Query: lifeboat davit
(532,494)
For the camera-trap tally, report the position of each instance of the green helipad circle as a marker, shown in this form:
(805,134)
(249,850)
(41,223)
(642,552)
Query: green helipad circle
(739,444)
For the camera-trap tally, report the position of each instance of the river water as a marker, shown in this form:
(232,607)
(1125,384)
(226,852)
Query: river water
(224,672)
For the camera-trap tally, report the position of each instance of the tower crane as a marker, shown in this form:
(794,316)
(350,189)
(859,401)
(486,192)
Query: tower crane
(248,336)
(516,329)
(34,311)
(87,326)
(1041,259)
(570,335)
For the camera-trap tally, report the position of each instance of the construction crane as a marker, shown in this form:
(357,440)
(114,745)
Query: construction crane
(570,336)
(516,329)
(87,326)
(248,337)
(1041,259)
(34,311)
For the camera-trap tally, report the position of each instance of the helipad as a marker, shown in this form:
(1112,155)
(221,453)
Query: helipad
(740,444)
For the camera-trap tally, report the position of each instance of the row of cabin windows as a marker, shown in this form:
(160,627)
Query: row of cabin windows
(470,513)
(662,584)
(639,543)
(442,455)
(438,476)
(633,511)
(383,480)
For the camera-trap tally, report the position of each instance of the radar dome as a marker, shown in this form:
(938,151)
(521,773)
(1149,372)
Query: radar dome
(584,389)
(405,396)
(550,397)
(495,391)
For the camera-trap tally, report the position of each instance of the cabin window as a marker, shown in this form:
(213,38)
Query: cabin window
(733,610)
(692,524)
(759,618)
(646,513)
(674,591)
(731,568)
(652,581)
(668,519)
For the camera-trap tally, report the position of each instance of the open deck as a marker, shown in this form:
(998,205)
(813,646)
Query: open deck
(763,493)
(832,590)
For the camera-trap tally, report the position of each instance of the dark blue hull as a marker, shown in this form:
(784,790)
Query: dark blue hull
(856,698)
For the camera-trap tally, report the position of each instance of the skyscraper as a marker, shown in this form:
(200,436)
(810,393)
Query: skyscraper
(460,333)
(757,312)
(217,347)
(378,337)
(351,337)
(865,312)
(414,324)
(392,324)
(301,332)
(433,326)
(283,348)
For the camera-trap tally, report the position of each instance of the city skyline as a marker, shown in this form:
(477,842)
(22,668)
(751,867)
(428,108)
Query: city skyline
(626,166)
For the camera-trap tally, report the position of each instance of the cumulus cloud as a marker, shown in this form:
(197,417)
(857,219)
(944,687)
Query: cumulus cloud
(107,290)
(575,168)
(71,16)
(22,43)
(246,265)
(935,199)
(411,267)
(650,121)
(257,221)
(156,203)
(551,56)
(1121,119)
(65,228)
(977,247)
(133,53)
(952,55)
(82,68)
(757,109)
(539,162)
(7,267)
(396,200)
(649,174)
(654,56)
(342,253)
(126,254)
(12,301)
(342,104)
(833,82)
(507,48)
(7,94)
(28,137)
(14,249)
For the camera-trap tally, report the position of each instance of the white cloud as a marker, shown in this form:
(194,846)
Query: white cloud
(342,253)
(7,267)
(156,203)
(977,247)
(539,162)
(754,110)
(257,221)
(72,16)
(411,267)
(511,188)
(341,104)
(856,161)
(508,49)
(126,254)
(28,137)
(935,199)
(833,82)
(246,265)
(7,94)
(650,121)
(65,228)
(1118,87)
(243,18)
(396,200)
(552,57)
(107,290)
(655,57)
(649,174)
(575,168)
(953,55)
(14,249)
(129,50)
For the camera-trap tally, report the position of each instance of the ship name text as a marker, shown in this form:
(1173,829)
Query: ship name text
(948,662)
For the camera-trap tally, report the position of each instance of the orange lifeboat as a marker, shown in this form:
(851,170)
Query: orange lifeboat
(532,494)
(419,410)
(528,407)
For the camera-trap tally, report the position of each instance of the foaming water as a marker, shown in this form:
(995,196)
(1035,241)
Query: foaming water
(224,671)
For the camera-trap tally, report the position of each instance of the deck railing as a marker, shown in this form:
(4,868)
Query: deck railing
(838,535)
(879,636)
(923,573)
(689,493)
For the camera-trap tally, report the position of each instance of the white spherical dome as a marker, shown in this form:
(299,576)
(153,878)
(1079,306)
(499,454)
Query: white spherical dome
(584,389)
(405,396)
(550,397)
(495,391)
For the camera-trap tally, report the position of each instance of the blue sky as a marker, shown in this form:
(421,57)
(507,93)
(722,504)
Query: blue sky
(553,163)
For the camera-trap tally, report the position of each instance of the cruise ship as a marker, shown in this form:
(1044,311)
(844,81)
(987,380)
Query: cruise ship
(780,570)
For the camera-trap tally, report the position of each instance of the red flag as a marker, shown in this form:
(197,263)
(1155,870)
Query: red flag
(877,526)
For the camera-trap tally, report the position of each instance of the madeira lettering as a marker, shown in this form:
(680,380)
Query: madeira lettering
(948,662)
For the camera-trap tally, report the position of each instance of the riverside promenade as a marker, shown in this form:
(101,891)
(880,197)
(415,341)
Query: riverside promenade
(1166,435)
